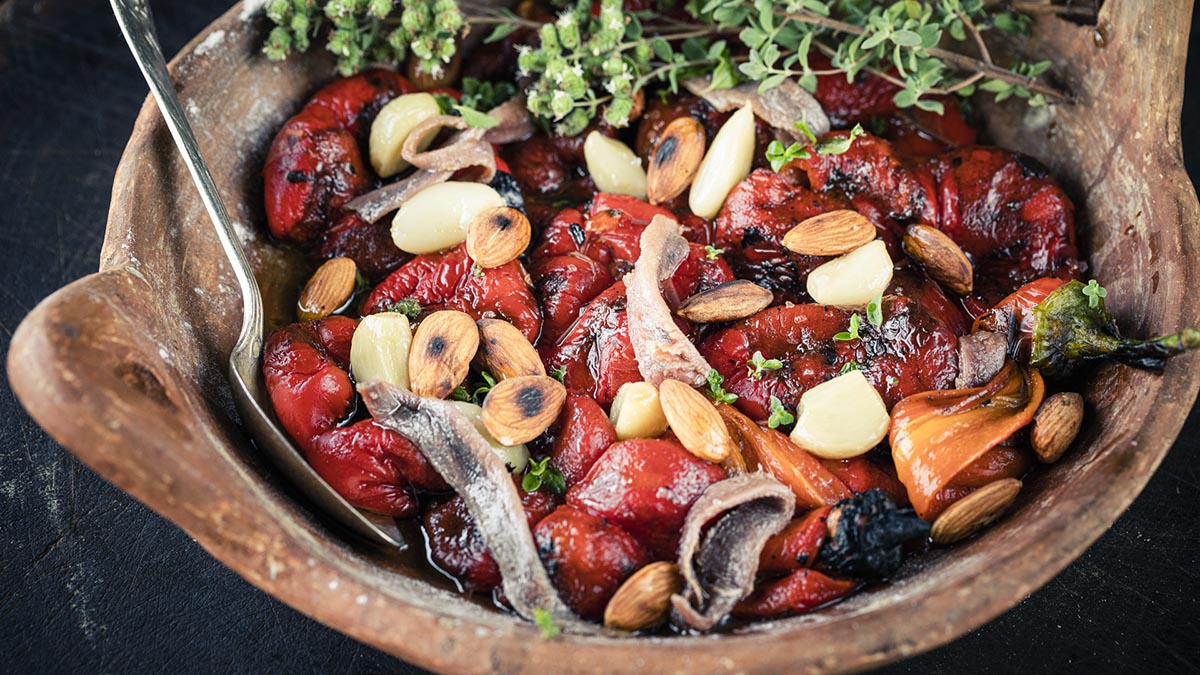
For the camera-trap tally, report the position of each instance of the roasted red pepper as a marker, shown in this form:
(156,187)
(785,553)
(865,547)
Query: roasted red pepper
(587,557)
(798,592)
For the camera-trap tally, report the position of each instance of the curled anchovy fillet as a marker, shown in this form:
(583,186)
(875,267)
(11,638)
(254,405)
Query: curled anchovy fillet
(981,355)
(663,352)
(747,509)
(780,106)
(468,148)
(471,466)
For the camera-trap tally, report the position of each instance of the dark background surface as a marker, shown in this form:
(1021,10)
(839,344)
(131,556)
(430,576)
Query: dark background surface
(92,581)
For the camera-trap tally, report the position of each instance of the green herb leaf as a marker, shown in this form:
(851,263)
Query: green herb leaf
(716,391)
(408,307)
(545,623)
(558,372)
(779,414)
(1094,292)
(712,253)
(757,365)
(875,311)
(475,118)
(850,366)
(851,334)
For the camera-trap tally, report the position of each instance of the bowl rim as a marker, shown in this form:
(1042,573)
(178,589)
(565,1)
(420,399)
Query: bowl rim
(920,620)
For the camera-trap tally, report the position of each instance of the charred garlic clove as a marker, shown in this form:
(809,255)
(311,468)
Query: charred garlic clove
(438,217)
(841,418)
(391,129)
(725,164)
(613,166)
(854,279)
(379,349)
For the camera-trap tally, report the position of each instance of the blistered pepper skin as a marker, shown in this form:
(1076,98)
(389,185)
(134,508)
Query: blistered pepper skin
(910,352)
(313,168)
(450,280)
(801,591)
(797,545)
(587,558)
(646,487)
(582,434)
(305,370)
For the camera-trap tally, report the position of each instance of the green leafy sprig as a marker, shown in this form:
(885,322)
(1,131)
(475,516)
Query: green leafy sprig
(716,390)
(539,474)
(757,366)
(779,414)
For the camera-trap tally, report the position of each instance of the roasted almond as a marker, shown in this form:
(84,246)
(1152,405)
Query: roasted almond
(1056,424)
(941,257)
(729,301)
(644,600)
(695,421)
(441,353)
(505,352)
(329,288)
(675,160)
(829,234)
(497,236)
(519,409)
(974,512)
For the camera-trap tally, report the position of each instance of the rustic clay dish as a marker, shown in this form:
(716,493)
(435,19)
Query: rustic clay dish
(125,368)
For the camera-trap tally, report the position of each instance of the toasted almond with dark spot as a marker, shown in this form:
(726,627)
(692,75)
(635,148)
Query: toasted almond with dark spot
(974,512)
(941,257)
(829,234)
(441,352)
(729,301)
(519,409)
(505,352)
(497,236)
(644,600)
(695,421)
(328,290)
(1056,424)
(675,160)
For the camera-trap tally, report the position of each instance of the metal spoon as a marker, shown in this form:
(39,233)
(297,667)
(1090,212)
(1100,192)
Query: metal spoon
(245,375)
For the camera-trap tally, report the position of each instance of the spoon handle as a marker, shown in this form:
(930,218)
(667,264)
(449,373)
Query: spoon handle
(138,27)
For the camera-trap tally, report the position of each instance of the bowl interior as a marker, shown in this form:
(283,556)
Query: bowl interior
(1116,150)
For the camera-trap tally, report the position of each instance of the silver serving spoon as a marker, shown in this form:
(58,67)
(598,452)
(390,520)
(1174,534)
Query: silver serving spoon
(245,376)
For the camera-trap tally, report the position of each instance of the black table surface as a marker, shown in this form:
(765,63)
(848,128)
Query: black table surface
(92,581)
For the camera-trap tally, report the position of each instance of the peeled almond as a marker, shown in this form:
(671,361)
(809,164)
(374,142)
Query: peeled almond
(438,217)
(636,412)
(842,418)
(505,351)
(329,289)
(391,129)
(675,160)
(854,279)
(725,164)
(613,166)
(515,457)
(379,349)
(695,421)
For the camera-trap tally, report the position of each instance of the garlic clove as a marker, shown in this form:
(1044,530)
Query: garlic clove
(725,164)
(391,129)
(379,349)
(613,166)
(637,412)
(514,456)
(439,216)
(853,279)
(842,418)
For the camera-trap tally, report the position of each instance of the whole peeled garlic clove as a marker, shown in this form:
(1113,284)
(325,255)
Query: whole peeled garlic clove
(379,349)
(854,279)
(637,412)
(725,164)
(842,418)
(391,129)
(613,166)
(515,456)
(439,216)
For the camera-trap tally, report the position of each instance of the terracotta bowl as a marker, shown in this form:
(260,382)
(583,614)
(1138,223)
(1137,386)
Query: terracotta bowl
(126,369)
